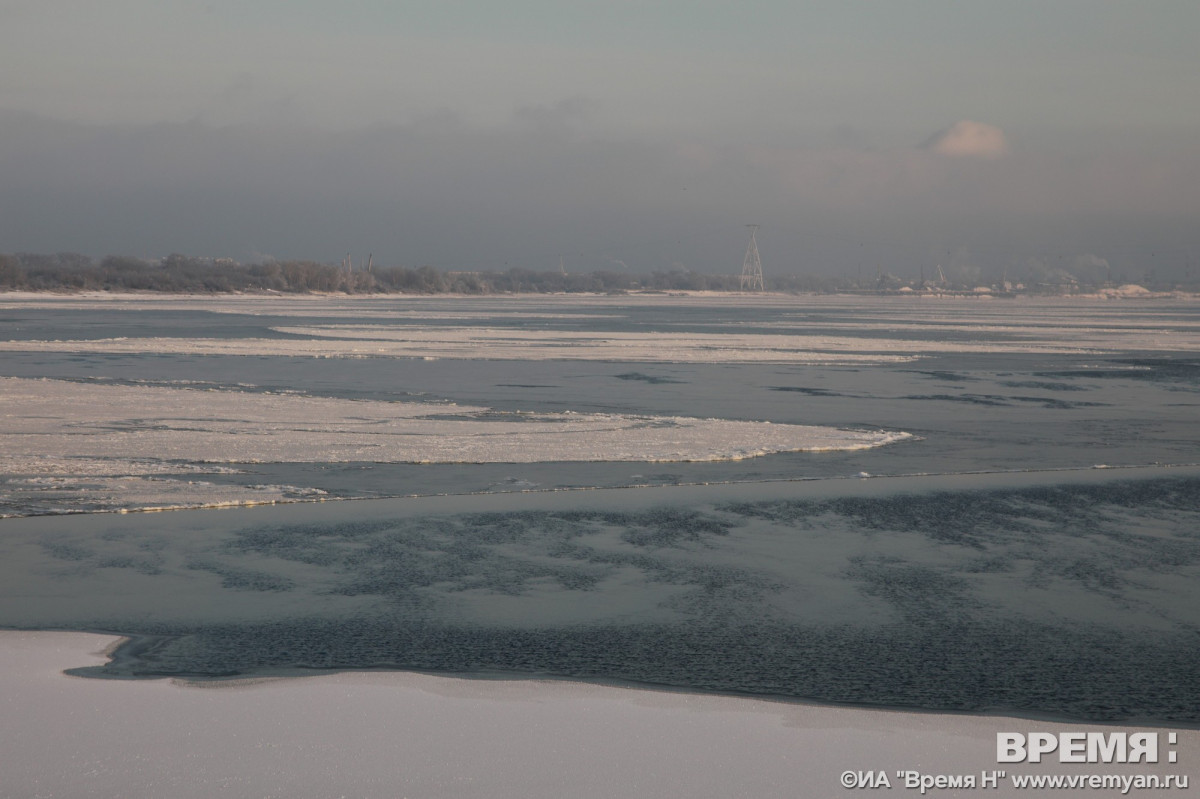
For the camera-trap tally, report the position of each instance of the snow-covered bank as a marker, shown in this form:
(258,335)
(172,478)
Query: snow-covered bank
(388,734)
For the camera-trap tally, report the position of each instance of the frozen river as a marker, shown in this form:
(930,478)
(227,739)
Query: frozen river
(886,501)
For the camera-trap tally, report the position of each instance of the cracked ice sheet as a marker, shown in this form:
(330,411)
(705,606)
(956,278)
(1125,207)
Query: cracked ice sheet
(47,424)
(72,485)
(76,494)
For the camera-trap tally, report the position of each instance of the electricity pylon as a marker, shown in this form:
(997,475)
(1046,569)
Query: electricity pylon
(752,277)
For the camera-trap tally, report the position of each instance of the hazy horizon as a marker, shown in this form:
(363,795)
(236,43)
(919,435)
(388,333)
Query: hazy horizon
(862,138)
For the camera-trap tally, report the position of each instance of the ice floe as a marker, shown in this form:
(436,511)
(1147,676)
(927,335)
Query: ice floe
(103,443)
(47,423)
(497,344)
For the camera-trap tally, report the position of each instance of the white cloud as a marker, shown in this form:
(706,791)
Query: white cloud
(967,139)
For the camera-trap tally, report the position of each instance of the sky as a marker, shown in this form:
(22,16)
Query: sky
(1019,137)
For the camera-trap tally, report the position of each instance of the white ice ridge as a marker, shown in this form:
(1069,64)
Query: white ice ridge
(660,346)
(503,344)
(800,330)
(487,343)
(46,425)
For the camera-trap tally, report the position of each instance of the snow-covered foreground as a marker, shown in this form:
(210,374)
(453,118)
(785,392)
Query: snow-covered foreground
(390,734)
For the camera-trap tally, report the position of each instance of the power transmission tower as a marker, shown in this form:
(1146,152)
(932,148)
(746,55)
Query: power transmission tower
(752,276)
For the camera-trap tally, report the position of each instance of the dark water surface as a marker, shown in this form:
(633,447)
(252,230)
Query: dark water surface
(1076,598)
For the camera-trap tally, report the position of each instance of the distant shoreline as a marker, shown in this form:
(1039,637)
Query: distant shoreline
(181,274)
(135,294)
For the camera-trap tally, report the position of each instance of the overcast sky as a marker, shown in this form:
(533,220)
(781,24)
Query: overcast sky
(861,136)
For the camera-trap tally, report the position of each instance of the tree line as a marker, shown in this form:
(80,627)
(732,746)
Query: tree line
(187,274)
